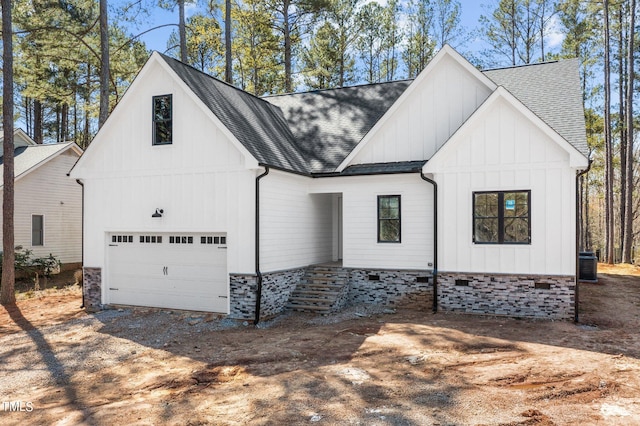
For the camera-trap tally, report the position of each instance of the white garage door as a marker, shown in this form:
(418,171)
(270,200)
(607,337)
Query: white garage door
(178,270)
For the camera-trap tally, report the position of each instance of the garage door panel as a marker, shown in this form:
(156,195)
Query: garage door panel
(172,301)
(186,275)
(137,268)
(169,296)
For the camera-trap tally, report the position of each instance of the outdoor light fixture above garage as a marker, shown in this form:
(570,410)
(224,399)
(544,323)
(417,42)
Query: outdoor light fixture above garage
(158,213)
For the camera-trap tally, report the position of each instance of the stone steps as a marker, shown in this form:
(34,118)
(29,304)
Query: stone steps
(326,294)
(308,308)
(320,287)
(319,290)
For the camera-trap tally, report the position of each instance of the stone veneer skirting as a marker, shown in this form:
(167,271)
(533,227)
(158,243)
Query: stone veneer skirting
(413,289)
(92,288)
(531,296)
(410,289)
(276,289)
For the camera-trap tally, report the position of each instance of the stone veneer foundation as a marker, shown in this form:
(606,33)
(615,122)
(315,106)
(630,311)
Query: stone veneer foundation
(530,296)
(276,289)
(410,289)
(413,289)
(92,288)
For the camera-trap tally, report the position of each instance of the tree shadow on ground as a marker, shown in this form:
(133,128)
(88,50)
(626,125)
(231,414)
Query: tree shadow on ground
(56,368)
(316,369)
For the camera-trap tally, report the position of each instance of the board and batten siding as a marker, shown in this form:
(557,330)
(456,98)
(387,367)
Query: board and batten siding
(47,191)
(200,180)
(500,151)
(361,248)
(427,117)
(295,226)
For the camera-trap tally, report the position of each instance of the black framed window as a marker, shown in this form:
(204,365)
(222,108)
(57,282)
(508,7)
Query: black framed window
(162,120)
(388,218)
(502,217)
(37,230)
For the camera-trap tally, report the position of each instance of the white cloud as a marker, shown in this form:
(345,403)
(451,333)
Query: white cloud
(554,34)
(191,9)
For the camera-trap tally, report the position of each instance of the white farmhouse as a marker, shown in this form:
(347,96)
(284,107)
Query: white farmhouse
(47,204)
(453,191)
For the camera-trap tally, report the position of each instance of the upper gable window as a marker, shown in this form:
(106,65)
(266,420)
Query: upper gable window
(162,120)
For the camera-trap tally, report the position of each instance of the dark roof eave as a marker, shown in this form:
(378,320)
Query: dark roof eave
(314,175)
(342,174)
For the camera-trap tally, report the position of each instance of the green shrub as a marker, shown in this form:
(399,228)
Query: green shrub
(27,265)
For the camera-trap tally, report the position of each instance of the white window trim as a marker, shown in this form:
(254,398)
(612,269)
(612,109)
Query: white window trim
(43,229)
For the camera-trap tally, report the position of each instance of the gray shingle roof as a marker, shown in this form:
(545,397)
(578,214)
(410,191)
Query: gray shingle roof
(314,132)
(553,92)
(257,124)
(27,157)
(303,132)
(328,124)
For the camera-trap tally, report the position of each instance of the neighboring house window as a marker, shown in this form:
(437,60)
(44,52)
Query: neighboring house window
(388,218)
(162,120)
(37,230)
(502,217)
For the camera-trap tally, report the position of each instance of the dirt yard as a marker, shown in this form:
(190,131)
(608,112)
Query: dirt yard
(364,366)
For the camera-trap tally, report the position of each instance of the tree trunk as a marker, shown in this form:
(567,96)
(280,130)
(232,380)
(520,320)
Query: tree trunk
(64,122)
(75,117)
(37,121)
(288,84)
(7,286)
(183,32)
(58,124)
(627,225)
(513,33)
(28,114)
(87,101)
(587,221)
(622,123)
(542,10)
(104,64)
(228,72)
(609,228)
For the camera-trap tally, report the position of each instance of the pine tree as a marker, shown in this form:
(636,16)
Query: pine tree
(370,40)
(322,59)
(258,62)
(205,49)
(7,294)
(420,45)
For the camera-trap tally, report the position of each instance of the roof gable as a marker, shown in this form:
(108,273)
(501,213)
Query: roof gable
(323,131)
(149,67)
(553,92)
(20,138)
(447,52)
(28,158)
(576,158)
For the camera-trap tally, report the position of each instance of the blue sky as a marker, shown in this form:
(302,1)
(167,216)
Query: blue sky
(157,39)
(471,12)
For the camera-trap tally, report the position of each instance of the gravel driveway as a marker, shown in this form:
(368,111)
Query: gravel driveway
(364,366)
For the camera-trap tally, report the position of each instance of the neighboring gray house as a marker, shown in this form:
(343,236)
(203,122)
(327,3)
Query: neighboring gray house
(201,196)
(48,205)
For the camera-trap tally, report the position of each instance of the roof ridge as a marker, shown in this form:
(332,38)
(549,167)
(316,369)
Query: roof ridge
(338,88)
(527,65)
(244,92)
(51,144)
